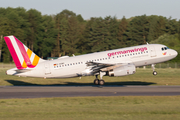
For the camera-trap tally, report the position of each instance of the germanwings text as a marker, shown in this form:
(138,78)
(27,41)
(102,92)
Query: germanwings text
(127,51)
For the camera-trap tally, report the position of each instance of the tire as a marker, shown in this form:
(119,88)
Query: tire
(96,81)
(101,82)
(154,73)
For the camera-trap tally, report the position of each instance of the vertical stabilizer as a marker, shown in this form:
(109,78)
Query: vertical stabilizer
(23,57)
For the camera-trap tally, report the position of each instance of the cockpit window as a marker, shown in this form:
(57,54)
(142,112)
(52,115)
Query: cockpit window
(164,48)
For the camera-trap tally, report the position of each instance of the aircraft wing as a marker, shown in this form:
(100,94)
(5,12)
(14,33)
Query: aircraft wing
(96,67)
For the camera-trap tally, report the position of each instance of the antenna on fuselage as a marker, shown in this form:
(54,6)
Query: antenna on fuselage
(147,43)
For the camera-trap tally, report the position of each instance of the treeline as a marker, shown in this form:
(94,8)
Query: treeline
(67,33)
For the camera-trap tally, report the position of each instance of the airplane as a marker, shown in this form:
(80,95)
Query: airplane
(117,62)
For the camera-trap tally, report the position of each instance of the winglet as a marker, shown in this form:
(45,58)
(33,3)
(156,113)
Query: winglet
(23,57)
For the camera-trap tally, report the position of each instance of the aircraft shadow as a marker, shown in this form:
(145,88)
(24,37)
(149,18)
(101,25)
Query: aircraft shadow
(122,83)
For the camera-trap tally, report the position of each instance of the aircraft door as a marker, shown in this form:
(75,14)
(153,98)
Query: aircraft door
(47,68)
(153,52)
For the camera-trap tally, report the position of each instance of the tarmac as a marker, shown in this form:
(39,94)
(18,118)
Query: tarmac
(8,92)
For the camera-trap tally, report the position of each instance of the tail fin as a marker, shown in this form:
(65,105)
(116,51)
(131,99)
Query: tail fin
(23,57)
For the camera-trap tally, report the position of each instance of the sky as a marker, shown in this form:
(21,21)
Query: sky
(101,8)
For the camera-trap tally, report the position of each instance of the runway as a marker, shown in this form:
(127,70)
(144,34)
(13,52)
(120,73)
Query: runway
(7,92)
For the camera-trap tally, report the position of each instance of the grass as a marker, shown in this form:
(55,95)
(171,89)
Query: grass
(92,108)
(168,76)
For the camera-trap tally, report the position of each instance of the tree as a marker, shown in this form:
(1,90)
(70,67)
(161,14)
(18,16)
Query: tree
(137,31)
(47,43)
(34,36)
(171,26)
(69,29)
(121,32)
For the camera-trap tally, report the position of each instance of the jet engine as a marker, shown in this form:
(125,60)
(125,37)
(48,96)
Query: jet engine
(123,70)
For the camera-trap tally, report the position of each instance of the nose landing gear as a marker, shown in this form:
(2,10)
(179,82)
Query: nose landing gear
(153,67)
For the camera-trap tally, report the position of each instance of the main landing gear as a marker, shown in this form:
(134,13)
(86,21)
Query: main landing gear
(153,67)
(101,81)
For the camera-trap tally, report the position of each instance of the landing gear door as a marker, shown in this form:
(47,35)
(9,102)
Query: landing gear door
(47,68)
(153,52)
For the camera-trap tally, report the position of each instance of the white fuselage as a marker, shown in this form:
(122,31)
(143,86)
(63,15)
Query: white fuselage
(77,65)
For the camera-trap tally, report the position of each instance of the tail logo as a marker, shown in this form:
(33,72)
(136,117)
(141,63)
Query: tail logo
(23,57)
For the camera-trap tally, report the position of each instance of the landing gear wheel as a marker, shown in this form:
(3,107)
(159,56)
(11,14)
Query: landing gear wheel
(101,82)
(154,73)
(96,81)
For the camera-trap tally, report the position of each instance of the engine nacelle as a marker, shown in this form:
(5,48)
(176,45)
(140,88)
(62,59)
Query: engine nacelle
(123,70)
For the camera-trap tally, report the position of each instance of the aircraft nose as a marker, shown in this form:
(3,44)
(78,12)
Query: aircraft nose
(174,53)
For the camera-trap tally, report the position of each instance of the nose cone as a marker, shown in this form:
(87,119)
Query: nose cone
(175,53)
(171,54)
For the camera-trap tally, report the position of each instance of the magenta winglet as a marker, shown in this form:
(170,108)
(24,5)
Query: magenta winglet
(13,53)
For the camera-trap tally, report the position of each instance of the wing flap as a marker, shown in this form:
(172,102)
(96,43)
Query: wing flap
(97,67)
